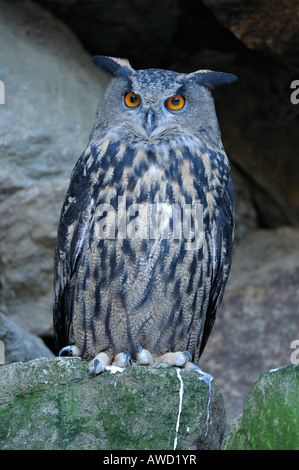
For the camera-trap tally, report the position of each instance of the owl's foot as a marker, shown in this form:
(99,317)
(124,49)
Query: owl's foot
(122,359)
(72,349)
(99,363)
(144,357)
(102,361)
(175,359)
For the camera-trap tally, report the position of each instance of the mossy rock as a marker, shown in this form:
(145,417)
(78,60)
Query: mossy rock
(270,418)
(56,404)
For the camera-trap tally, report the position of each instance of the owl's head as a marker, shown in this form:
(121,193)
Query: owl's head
(156,104)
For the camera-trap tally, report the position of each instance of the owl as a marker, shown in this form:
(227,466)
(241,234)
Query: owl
(145,238)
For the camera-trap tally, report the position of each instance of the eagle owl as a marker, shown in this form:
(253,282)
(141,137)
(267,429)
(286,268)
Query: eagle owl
(145,237)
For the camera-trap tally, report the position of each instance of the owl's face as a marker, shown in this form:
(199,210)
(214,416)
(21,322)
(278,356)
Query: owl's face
(158,105)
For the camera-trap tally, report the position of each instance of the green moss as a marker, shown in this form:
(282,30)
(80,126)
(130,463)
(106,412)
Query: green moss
(63,407)
(135,417)
(271,414)
(24,422)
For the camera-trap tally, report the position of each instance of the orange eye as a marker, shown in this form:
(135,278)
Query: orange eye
(175,102)
(132,100)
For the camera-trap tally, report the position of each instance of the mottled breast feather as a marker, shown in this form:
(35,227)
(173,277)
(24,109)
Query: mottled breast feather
(114,292)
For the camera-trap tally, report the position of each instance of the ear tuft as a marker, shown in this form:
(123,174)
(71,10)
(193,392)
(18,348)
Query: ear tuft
(114,66)
(211,79)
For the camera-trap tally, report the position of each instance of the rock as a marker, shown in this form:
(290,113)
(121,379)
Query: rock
(19,344)
(270,418)
(135,30)
(55,404)
(261,139)
(258,319)
(246,217)
(51,94)
(272,28)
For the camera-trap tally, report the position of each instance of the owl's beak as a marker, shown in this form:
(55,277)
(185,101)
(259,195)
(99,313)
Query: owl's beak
(149,122)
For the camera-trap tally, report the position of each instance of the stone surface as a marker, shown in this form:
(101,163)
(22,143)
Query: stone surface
(56,404)
(270,417)
(271,27)
(140,31)
(51,94)
(258,319)
(260,134)
(19,344)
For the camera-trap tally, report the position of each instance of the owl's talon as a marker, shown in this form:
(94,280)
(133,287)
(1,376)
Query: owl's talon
(175,359)
(96,367)
(122,359)
(99,363)
(72,349)
(144,357)
(189,354)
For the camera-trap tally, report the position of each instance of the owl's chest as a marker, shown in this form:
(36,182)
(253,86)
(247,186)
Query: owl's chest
(153,194)
(155,175)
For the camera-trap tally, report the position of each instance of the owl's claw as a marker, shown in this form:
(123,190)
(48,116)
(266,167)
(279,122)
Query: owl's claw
(102,362)
(99,363)
(97,369)
(71,349)
(175,359)
(122,359)
(144,357)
